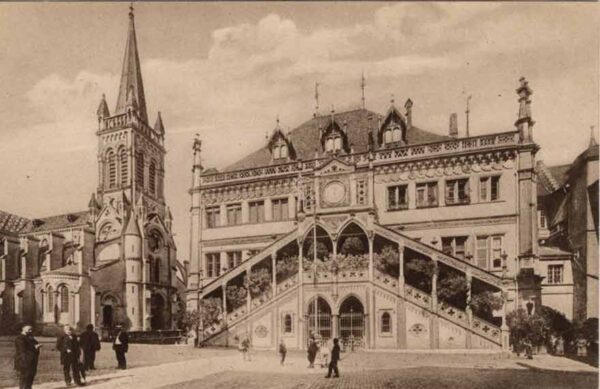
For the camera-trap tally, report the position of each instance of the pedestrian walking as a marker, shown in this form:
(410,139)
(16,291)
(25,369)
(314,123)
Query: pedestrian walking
(69,348)
(582,345)
(335,357)
(560,346)
(282,351)
(90,344)
(27,351)
(313,349)
(121,346)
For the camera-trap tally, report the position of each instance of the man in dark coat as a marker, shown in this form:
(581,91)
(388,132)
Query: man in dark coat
(121,345)
(313,349)
(90,343)
(335,357)
(26,357)
(68,345)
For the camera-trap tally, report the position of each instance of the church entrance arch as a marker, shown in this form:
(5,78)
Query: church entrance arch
(157,307)
(319,319)
(352,322)
(107,316)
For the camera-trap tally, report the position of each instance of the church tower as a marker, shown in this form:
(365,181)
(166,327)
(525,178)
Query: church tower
(133,224)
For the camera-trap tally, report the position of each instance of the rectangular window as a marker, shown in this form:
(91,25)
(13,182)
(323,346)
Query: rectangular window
(280,209)
(457,191)
(234,214)
(397,197)
(213,265)
(427,194)
(234,258)
(455,246)
(257,211)
(213,217)
(489,252)
(489,188)
(555,274)
(542,219)
(482,251)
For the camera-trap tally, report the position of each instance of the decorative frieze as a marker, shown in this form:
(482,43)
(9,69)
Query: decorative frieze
(248,192)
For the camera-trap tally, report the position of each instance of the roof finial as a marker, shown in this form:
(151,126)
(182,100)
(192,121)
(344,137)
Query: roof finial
(316,99)
(332,113)
(593,141)
(362,87)
(392,99)
(467,111)
(131,10)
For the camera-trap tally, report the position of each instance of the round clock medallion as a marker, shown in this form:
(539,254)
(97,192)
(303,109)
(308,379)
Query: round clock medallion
(334,192)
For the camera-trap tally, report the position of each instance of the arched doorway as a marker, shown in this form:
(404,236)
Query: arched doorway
(319,319)
(107,316)
(352,322)
(157,307)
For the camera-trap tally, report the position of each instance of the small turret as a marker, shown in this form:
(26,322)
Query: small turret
(131,103)
(593,141)
(524,121)
(408,106)
(453,127)
(158,126)
(93,208)
(102,112)
(132,238)
(168,218)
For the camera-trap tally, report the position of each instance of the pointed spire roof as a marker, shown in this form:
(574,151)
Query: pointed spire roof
(131,75)
(593,141)
(159,126)
(93,204)
(103,111)
(132,227)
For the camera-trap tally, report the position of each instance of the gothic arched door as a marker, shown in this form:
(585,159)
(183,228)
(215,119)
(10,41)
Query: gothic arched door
(352,322)
(157,308)
(319,319)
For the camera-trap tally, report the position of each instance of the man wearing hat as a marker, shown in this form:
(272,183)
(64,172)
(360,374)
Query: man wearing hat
(121,345)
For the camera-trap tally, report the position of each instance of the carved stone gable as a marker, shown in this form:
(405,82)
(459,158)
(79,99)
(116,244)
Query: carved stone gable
(335,166)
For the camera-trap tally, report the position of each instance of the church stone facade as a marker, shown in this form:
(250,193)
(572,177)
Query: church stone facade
(116,262)
(353,225)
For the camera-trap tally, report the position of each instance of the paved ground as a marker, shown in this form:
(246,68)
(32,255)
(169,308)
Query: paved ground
(186,367)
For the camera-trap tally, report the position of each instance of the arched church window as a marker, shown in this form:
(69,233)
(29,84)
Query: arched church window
(283,151)
(152,177)
(396,135)
(64,298)
(124,166)
(112,169)
(386,323)
(139,169)
(50,299)
(156,270)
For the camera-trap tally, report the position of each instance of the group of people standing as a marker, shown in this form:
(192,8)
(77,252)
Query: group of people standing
(314,349)
(71,347)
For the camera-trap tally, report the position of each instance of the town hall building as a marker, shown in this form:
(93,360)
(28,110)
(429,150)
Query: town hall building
(358,225)
(114,262)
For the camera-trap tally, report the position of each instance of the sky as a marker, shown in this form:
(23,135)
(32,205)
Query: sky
(226,71)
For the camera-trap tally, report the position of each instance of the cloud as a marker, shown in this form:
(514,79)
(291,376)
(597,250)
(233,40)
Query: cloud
(253,72)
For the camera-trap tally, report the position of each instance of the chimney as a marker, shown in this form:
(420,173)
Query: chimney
(453,130)
(408,106)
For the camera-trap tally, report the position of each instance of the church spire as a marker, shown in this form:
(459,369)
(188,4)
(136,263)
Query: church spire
(131,76)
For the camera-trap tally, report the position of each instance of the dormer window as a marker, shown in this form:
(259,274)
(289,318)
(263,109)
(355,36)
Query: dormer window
(280,151)
(393,129)
(281,146)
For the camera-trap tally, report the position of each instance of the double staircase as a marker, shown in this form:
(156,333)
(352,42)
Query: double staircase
(410,295)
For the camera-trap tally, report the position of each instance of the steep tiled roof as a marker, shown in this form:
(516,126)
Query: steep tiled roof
(305,138)
(12,224)
(57,222)
(550,178)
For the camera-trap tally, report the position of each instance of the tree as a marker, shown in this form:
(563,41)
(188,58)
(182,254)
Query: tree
(236,297)
(452,289)
(211,311)
(322,250)
(387,261)
(286,268)
(258,282)
(485,303)
(418,273)
(353,246)
(534,328)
